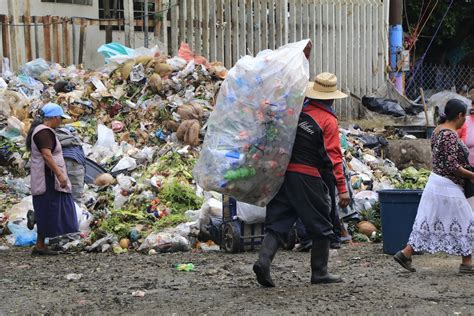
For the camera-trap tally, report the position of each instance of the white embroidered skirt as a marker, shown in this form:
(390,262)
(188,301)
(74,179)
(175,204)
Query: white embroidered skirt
(445,220)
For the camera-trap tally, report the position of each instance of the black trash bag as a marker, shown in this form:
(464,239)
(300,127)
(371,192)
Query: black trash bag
(414,109)
(383,106)
(373,141)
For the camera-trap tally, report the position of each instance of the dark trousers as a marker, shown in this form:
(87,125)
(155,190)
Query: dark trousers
(301,197)
(334,214)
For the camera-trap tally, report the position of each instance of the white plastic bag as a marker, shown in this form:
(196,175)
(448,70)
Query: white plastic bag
(252,129)
(251,214)
(84,219)
(105,137)
(17,213)
(126,163)
(165,242)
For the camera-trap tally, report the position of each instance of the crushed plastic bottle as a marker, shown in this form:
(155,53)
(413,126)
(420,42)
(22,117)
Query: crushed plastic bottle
(185,267)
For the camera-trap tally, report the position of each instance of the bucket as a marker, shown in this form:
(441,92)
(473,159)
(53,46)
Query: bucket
(398,210)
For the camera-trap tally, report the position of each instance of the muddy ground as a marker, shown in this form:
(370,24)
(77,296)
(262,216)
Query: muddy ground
(224,284)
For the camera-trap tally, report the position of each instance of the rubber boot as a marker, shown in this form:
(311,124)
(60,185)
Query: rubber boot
(319,263)
(265,257)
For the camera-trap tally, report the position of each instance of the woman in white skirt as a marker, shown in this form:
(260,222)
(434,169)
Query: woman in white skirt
(445,220)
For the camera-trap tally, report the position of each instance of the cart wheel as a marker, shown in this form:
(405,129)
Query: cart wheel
(291,240)
(231,237)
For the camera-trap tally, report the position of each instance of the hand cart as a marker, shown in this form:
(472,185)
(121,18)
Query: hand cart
(237,236)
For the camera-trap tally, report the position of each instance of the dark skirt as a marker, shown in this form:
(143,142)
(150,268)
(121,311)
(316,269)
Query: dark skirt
(55,211)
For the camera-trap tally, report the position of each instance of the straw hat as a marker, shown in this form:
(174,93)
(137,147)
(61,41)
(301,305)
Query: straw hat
(324,87)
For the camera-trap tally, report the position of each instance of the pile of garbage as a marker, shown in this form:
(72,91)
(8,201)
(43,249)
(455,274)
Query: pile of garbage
(140,119)
(368,171)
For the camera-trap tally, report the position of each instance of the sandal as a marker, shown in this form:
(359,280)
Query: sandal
(404,261)
(43,252)
(464,268)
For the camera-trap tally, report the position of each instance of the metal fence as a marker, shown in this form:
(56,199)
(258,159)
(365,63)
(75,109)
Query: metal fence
(438,77)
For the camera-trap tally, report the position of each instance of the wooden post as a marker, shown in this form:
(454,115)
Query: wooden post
(66,47)
(198,27)
(157,17)
(228,35)
(47,37)
(27,22)
(5,36)
(213,33)
(182,22)
(107,15)
(36,29)
(129,23)
(174,31)
(56,43)
(220,31)
(235,32)
(425,108)
(82,40)
(205,25)
(190,24)
(15,59)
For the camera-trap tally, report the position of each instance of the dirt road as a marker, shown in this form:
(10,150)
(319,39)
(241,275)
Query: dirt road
(224,284)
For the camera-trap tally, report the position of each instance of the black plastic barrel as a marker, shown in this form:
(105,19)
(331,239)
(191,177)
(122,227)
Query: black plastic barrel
(398,210)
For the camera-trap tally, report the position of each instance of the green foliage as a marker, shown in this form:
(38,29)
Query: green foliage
(455,30)
(120,222)
(179,196)
(413,179)
(175,165)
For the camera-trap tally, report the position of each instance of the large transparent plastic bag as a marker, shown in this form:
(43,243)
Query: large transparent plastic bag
(252,129)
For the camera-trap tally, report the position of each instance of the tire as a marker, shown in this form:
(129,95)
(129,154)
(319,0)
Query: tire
(231,237)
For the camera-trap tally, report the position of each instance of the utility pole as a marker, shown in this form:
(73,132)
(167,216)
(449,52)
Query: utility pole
(397,76)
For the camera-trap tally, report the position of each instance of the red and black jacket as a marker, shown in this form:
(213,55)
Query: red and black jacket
(317,148)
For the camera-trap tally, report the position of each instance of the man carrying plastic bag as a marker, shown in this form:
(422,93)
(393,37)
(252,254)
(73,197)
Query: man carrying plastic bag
(310,181)
(251,131)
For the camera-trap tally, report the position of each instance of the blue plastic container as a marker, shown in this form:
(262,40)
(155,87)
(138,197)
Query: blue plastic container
(398,210)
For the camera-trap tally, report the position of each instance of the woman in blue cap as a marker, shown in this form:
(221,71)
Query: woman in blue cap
(51,189)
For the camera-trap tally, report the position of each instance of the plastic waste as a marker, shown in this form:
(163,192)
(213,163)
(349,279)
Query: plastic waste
(124,182)
(17,213)
(138,73)
(165,242)
(20,186)
(251,214)
(126,163)
(23,236)
(3,84)
(439,100)
(256,115)
(177,63)
(365,200)
(97,246)
(185,52)
(383,106)
(73,276)
(185,267)
(35,67)
(119,200)
(6,72)
(105,137)
(114,49)
(373,141)
(84,219)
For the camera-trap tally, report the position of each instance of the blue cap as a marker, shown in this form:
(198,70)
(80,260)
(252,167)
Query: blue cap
(53,110)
